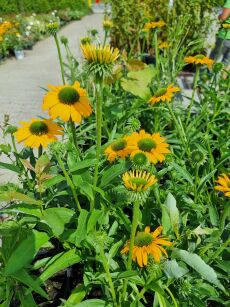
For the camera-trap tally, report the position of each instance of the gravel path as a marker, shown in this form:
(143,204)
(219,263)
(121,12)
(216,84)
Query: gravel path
(21,80)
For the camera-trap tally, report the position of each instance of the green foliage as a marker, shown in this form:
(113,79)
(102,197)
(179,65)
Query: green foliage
(39,6)
(68,222)
(130,17)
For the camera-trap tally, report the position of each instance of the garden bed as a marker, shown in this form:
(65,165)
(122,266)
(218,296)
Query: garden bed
(123,191)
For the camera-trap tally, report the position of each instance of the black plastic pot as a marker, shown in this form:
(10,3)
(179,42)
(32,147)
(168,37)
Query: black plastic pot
(148,59)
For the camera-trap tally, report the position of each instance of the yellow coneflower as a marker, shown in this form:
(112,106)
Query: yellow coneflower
(224,184)
(164,94)
(155,24)
(138,181)
(37,132)
(107,24)
(226,25)
(163,45)
(69,102)
(147,243)
(199,59)
(118,149)
(152,145)
(100,54)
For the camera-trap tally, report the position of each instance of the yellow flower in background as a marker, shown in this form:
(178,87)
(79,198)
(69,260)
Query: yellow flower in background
(199,59)
(4,27)
(100,54)
(107,24)
(226,25)
(118,149)
(155,24)
(164,94)
(37,132)
(152,145)
(147,243)
(1,39)
(138,181)
(224,184)
(69,102)
(163,45)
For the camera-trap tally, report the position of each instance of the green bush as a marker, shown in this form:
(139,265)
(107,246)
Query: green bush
(39,6)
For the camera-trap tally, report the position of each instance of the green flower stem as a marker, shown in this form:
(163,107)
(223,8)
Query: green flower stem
(105,38)
(70,62)
(69,181)
(106,268)
(131,244)
(172,296)
(196,182)
(60,57)
(73,130)
(179,130)
(193,94)
(156,49)
(99,99)
(20,160)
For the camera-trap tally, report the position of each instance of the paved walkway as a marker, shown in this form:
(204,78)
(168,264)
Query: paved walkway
(21,80)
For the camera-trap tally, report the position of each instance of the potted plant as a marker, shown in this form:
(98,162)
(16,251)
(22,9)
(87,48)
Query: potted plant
(18,47)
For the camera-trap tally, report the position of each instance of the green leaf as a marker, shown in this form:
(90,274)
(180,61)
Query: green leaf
(126,274)
(53,181)
(24,209)
(198,264)
(58,263)
(10,167)
(16,196)
(26,279)
(183,173)
(114,249)
(165,219)
(94,303)
(173,270)
(76,296)
(93,219)
(86,189)
(137,82)
(83,164)
(25,251)
(224,216)
(26,300)
(57,218)
(204,180)
(113,172)
(81,231)
(173,212)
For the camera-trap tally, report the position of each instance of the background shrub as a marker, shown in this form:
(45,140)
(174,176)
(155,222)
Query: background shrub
(39,6)
(129,17)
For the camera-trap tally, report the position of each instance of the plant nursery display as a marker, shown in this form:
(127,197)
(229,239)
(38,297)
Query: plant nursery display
(123,187)
(22,31)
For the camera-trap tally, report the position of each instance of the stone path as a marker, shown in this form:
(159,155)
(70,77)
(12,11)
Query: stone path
(21,80)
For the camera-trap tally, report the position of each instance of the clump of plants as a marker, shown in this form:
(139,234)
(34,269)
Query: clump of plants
(130,17)
(123,185)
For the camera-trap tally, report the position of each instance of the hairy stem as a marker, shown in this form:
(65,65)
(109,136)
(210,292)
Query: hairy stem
(131,244)
(60,58)
(99,98)
(69,181)
(108,275)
